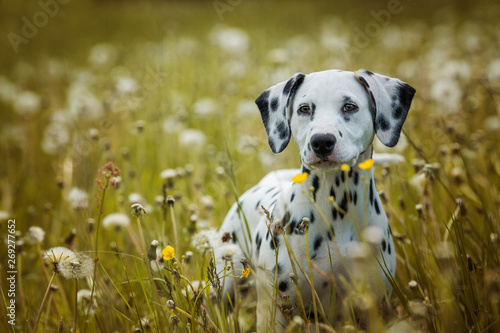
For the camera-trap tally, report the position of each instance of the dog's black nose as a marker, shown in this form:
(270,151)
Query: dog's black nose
(323,144)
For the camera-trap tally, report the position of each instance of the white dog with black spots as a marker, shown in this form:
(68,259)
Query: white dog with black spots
(333,117)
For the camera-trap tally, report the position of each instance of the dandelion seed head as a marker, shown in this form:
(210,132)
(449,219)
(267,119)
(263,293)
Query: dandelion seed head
(83,298)
(116,221)
(78,268)
(58,255)
(4,216)
(231,40)
(168,174)
(226,252)
(204,107)
(35,235)
(27,103)
(373,235)
(125,85)
(205,240)
(79,199)
(138,210)
(134,198)
(192,138)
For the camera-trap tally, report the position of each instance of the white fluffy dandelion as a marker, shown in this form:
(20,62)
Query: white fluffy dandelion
(116,221)
(78,268)
(192,138)
(79,199)
(35,235)
(135,198)
(58,255)
(83,298)
(204,107)
(27,103)
(226,252)
(205,240)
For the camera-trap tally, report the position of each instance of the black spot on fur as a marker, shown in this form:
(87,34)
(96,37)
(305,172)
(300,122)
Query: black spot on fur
(332,192)
(267,235)
(315,184)
(292,197)
(334,213)
(256,189)
(331,232)
(382,123)
(343,205)
(362,80)
(263,104)
(369,73)
(291,226)
(355,198)
(351,238)
(257,205)
(272,188)
(377,208)
(340,133)
(274,104)
(317,242)
(374,105)
(282,130)
(351,170)
(274,243)
(405,96)
(370,190)
(312,218)
(384,245)
(279,268)
(283,286)
(325,284)
(337,181)
(273,203)
(389,248)
(258,241)
(304,169)
(233,234)
(398,112)
(356,178)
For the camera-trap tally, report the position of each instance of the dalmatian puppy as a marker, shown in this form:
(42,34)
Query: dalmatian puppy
(333,117)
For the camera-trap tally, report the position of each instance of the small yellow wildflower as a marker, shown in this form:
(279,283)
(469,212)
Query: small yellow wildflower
(366,165)
(345,167)
(168,253)
(300,178)
(246,272)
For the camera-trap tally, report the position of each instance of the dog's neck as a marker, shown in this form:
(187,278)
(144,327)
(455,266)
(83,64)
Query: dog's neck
(355,198)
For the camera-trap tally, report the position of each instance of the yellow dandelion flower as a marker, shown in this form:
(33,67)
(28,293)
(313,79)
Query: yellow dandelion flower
(345,167)
(366,165)
(168,253)
(246,272)
(300,178)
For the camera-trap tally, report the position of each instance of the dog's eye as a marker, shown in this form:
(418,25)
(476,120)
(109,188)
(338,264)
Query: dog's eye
(304,109)
(350,107)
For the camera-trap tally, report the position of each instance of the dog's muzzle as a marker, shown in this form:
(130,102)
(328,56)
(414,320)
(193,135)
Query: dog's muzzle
(323,145)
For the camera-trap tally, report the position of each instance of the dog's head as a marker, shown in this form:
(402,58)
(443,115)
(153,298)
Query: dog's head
(334,115)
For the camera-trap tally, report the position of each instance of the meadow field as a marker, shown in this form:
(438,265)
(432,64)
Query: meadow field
(129,127)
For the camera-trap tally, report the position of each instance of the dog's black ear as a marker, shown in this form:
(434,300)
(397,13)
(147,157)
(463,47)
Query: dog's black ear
(274,105)
(390,101)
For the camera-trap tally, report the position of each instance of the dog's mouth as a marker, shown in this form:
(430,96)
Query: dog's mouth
(328,165)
